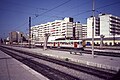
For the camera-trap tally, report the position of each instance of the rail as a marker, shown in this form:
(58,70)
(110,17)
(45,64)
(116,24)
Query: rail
(79,67)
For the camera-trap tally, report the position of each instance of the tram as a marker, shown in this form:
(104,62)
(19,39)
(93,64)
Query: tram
(64,44)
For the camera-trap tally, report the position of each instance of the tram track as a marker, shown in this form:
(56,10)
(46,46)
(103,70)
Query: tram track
(101,53)
(47,71)
(86,69)
(88,51)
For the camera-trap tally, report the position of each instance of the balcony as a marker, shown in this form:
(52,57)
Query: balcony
(118,19)
(112,28)
(113,17)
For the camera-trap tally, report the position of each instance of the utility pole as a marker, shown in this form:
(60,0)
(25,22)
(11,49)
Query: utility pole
(93,13)
(74,35)
(29,32)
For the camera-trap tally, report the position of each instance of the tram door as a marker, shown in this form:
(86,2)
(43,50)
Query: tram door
(75,44)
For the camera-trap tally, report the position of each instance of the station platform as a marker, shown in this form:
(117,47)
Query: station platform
(106,62)
(11,69)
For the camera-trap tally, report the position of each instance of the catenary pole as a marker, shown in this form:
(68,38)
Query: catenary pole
(93,13)
(29,32)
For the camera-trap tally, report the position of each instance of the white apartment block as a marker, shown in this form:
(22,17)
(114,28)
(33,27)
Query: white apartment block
(78,30)
(56,29)
(90,25)
(84,30)
(34,33)
(109,25)
(105,24)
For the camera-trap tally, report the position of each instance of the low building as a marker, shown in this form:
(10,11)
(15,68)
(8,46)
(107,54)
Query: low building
(15,37)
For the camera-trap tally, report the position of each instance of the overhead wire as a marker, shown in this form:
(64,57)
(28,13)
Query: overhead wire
(37,15)
(23,5)
(80,5)
(53,8)
(105,6)
(98,8)
(82,12)
(108,5)
(67,10)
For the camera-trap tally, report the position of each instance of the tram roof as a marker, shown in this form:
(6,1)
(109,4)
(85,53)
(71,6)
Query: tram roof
(66,41)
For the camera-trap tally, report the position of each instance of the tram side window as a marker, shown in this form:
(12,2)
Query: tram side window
(88,44)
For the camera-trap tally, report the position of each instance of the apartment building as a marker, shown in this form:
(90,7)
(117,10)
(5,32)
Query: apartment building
(34,33)
(109,25)
(57,29)
(105,24)
(96,27)
(84,31)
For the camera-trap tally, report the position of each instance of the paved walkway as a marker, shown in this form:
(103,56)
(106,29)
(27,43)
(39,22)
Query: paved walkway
(11,69)
(106,62)
(104,50)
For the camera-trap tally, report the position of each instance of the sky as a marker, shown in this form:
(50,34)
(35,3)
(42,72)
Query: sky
(14,14)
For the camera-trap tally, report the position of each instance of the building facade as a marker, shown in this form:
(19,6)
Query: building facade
(96,27)
(105,24)
(84,31)
(15,37)
(109,25)
(34,33)
(57,29)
